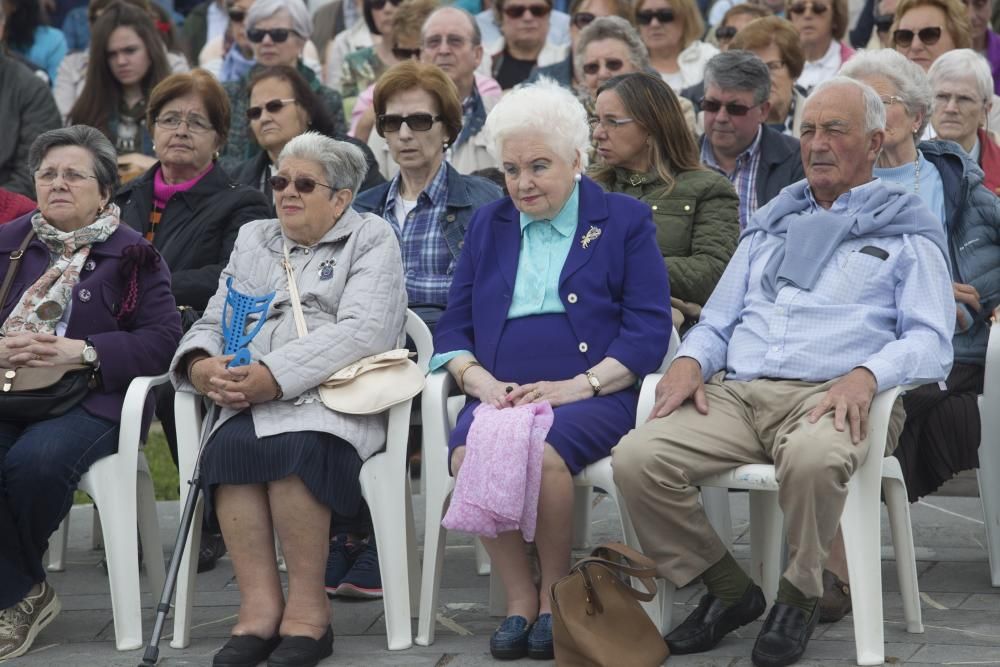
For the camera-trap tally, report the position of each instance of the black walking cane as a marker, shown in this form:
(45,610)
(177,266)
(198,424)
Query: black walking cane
(152,653)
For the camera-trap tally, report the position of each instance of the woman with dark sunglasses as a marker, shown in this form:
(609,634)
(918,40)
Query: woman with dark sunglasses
(278,31)
(821,25)
(522,47)
(924,29)
(608,47)
(671,31)
(364,66)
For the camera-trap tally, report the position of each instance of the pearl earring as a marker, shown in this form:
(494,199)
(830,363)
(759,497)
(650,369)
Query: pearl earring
(578,177)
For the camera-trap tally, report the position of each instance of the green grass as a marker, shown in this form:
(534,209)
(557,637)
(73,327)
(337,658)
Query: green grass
(160,465)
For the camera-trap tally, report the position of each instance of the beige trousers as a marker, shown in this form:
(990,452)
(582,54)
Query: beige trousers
(761,421)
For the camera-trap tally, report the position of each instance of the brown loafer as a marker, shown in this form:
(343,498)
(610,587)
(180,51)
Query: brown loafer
(836,600)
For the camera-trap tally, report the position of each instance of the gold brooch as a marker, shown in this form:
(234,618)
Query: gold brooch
(591,235)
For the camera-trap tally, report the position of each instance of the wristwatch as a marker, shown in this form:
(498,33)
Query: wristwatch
(595,384)
(89,355)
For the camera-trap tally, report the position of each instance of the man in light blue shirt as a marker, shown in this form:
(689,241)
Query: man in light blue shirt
(838,290)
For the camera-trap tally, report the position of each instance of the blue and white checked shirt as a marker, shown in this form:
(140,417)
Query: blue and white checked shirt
(744,176)
(427,261)
(893,316)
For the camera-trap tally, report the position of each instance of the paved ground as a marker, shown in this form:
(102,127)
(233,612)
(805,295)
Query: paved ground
(961,611)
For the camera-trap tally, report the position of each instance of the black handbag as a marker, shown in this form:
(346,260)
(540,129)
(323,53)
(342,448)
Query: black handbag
(30,394)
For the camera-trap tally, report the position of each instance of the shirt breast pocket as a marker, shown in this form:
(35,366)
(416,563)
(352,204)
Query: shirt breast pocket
(859,276)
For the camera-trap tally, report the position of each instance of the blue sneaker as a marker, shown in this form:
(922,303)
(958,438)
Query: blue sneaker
(364,579)
(510,641)
(343,553)
(540,645)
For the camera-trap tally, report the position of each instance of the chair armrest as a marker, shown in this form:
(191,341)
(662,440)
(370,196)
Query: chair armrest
(647,398)
(133,405)
(434,416)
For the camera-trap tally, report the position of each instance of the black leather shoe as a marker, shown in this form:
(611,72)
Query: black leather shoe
(245,651)
(784,637)
(302,651)
(711,621)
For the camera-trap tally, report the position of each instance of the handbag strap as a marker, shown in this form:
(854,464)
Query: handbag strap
(15,262)
(293,295)
(638,565)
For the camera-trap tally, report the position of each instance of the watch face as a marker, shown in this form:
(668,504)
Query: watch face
(89,354)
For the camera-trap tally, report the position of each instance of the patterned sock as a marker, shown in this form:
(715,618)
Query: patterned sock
(792,596)
(726,580)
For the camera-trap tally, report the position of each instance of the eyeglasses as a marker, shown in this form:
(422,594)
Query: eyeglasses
(434,42)
(271,106)
(883,22)
(195,123)
(70,177)
(725,33)
(399,53)
(963,102)
(237,15)
(732,108)
(582,19)
(799,8)
(889,100)
(303,184)
(379,5)
(418,122)
(646,16)
(976,4)
(277,35)
(517,11)
(928,36)
(608,123)
(610,64)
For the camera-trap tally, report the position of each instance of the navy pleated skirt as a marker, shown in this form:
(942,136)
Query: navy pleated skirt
(544,348)
(329,466)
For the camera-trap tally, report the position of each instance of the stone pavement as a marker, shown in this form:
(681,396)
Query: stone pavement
(961,612)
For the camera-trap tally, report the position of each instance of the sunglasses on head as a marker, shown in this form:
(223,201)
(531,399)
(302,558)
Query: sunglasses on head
(610,64)
(799,8)
(928,36)
(646,16)
(883,22)
(277,35)
(725,33)
(379,5)
(303,184)
(517,11)
(583,19)
(732,108)
(418,122)
(272,106)
(399,53)
(237,15)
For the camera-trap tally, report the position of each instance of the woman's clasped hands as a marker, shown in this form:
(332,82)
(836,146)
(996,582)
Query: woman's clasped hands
(236,387)
(38,350)
(481,384)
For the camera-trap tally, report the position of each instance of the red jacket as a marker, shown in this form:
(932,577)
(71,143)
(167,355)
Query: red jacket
(989,160)
(13,205)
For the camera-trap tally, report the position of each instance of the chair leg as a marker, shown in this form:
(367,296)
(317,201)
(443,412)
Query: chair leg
(988,476)
(186,576)
(582,525)
(57,546)
(412,559)
(715,501)
(902,544)
(149,533)
(96,536)
(482,558)
(766,539)
(862,542)
(434,542)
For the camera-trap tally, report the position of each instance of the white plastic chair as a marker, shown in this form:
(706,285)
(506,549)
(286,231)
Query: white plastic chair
(122,490)
(989,453)
(440,414)
(385,485)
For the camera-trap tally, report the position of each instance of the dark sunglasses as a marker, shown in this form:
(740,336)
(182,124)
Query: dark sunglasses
(399,53)
(929,37)
(646,16)
(611,64)
(517,11)
(303,184)
(883,22)
(277,35)
(732,108)
(272,106)
(799,8)
(583,19)
(725,33)
(418,122)
(380,4)
(237,15)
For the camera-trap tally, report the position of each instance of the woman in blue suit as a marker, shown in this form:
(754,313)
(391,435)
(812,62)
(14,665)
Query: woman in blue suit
(560,295)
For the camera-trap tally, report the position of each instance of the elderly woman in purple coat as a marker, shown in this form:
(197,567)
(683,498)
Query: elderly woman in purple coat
(560,295)
(87,290)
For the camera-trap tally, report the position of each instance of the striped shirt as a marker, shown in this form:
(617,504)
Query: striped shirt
(744,176)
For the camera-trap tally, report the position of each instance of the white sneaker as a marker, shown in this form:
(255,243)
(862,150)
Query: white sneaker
(20,624)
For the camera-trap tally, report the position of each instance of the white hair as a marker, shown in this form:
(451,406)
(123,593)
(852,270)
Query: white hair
(297,11)
(874,109)
(908,78)
(343,163)
(544,107)
(963,64)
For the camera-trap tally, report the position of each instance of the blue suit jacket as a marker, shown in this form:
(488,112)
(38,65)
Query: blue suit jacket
(616,291)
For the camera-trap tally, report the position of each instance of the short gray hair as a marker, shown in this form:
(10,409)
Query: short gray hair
(344,163)
(477,34)
(874,109)
(739,70)
(104,154)
(908,78)
(611,27)
(963,64)
(545,107)
(297,11)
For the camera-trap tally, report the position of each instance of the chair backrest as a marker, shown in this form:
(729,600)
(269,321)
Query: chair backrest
(991,376)
(422,339)
(675,342)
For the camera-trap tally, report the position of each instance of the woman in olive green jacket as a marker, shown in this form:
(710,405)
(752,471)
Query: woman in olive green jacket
(645,150)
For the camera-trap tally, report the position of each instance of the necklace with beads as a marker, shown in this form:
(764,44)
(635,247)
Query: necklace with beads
(916,174)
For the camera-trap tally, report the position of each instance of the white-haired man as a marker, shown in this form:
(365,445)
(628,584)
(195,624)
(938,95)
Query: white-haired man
(838,290)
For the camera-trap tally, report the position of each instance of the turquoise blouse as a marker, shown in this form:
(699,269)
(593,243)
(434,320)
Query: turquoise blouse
(545,245)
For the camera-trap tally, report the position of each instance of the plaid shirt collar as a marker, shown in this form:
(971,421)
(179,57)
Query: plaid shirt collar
(435,194)
(744,158)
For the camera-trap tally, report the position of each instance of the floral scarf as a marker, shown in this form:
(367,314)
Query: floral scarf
(44,303)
